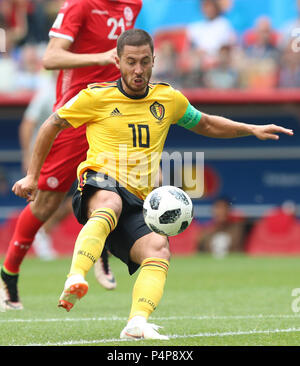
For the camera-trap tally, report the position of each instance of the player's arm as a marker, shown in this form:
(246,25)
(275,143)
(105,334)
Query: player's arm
(58,56)
(221,127)
(25,136)
(27,186)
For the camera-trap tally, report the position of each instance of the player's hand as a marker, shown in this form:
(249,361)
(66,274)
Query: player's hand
(107,58)
(270,132)
(26,188)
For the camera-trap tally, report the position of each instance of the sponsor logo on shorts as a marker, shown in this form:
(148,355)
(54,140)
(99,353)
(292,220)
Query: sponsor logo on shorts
(99,179)
(52,182)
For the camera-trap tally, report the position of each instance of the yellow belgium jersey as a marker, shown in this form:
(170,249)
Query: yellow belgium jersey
(126,134)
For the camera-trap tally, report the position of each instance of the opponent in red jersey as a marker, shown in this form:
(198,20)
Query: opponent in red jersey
(79,23)
(82,46)
(89,30)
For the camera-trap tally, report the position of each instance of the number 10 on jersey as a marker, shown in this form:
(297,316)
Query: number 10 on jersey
(140,135)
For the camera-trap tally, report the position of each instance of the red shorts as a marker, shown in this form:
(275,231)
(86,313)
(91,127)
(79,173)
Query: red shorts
(67,152)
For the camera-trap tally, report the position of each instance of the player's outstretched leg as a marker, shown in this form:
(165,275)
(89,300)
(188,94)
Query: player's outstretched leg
(29,222)
(103,273)
(26,227)
(88,248)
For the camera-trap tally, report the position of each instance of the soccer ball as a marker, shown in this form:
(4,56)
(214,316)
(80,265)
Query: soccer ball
(168,210)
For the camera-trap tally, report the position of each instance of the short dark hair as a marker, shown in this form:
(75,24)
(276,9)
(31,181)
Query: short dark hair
(134,37)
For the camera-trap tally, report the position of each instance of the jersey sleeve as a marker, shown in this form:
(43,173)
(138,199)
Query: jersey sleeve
(185,115)
(68,21)
(79,109)
(180,105)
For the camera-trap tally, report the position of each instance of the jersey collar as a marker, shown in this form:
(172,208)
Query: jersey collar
(120,87)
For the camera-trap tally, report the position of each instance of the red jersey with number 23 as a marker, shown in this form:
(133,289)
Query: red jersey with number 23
(92,26)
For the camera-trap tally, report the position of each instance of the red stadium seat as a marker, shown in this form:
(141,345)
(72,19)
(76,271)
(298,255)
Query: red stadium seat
(277,234)
(250,38)
(186,242)
(176,36)
(65,235)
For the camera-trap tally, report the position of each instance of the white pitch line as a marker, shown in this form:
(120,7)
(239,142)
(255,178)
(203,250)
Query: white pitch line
(53,320)
(116,318)
(74,343)
(240,332)
(174,336)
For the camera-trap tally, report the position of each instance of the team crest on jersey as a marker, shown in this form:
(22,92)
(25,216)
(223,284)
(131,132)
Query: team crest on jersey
(158,110)
(128,14)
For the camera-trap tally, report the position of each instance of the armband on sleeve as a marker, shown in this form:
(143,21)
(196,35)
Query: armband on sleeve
(190,118)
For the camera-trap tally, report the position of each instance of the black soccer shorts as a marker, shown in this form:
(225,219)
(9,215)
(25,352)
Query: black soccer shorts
(131,224)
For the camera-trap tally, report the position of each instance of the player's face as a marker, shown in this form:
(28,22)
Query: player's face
(136,64)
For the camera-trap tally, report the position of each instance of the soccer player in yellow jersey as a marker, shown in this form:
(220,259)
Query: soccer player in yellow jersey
(127,124)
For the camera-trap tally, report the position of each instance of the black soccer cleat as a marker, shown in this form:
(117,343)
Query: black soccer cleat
(9,297)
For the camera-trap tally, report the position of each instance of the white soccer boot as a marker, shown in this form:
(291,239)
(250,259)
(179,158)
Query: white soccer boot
(75,288)
(136,329)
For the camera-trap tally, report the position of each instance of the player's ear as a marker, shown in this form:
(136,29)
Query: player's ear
(117,62)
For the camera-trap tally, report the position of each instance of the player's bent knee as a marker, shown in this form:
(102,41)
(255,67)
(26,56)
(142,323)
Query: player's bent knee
(164,250)
(103,198)
(160,247)
(151,245)
(163,253)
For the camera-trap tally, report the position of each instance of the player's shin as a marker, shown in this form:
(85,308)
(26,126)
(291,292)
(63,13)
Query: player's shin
(91,239)
(26,228)
(148,288)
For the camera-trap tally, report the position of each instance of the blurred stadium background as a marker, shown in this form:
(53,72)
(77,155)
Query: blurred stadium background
(249,71)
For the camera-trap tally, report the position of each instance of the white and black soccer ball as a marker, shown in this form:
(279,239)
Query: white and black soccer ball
(168,210)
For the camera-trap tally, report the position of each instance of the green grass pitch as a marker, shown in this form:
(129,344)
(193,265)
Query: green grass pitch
(234,301)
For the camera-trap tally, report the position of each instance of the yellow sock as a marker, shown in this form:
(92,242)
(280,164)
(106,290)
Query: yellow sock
(91,239)
(149,286)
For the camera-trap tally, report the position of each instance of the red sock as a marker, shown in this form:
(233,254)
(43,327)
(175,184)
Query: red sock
(26,228)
